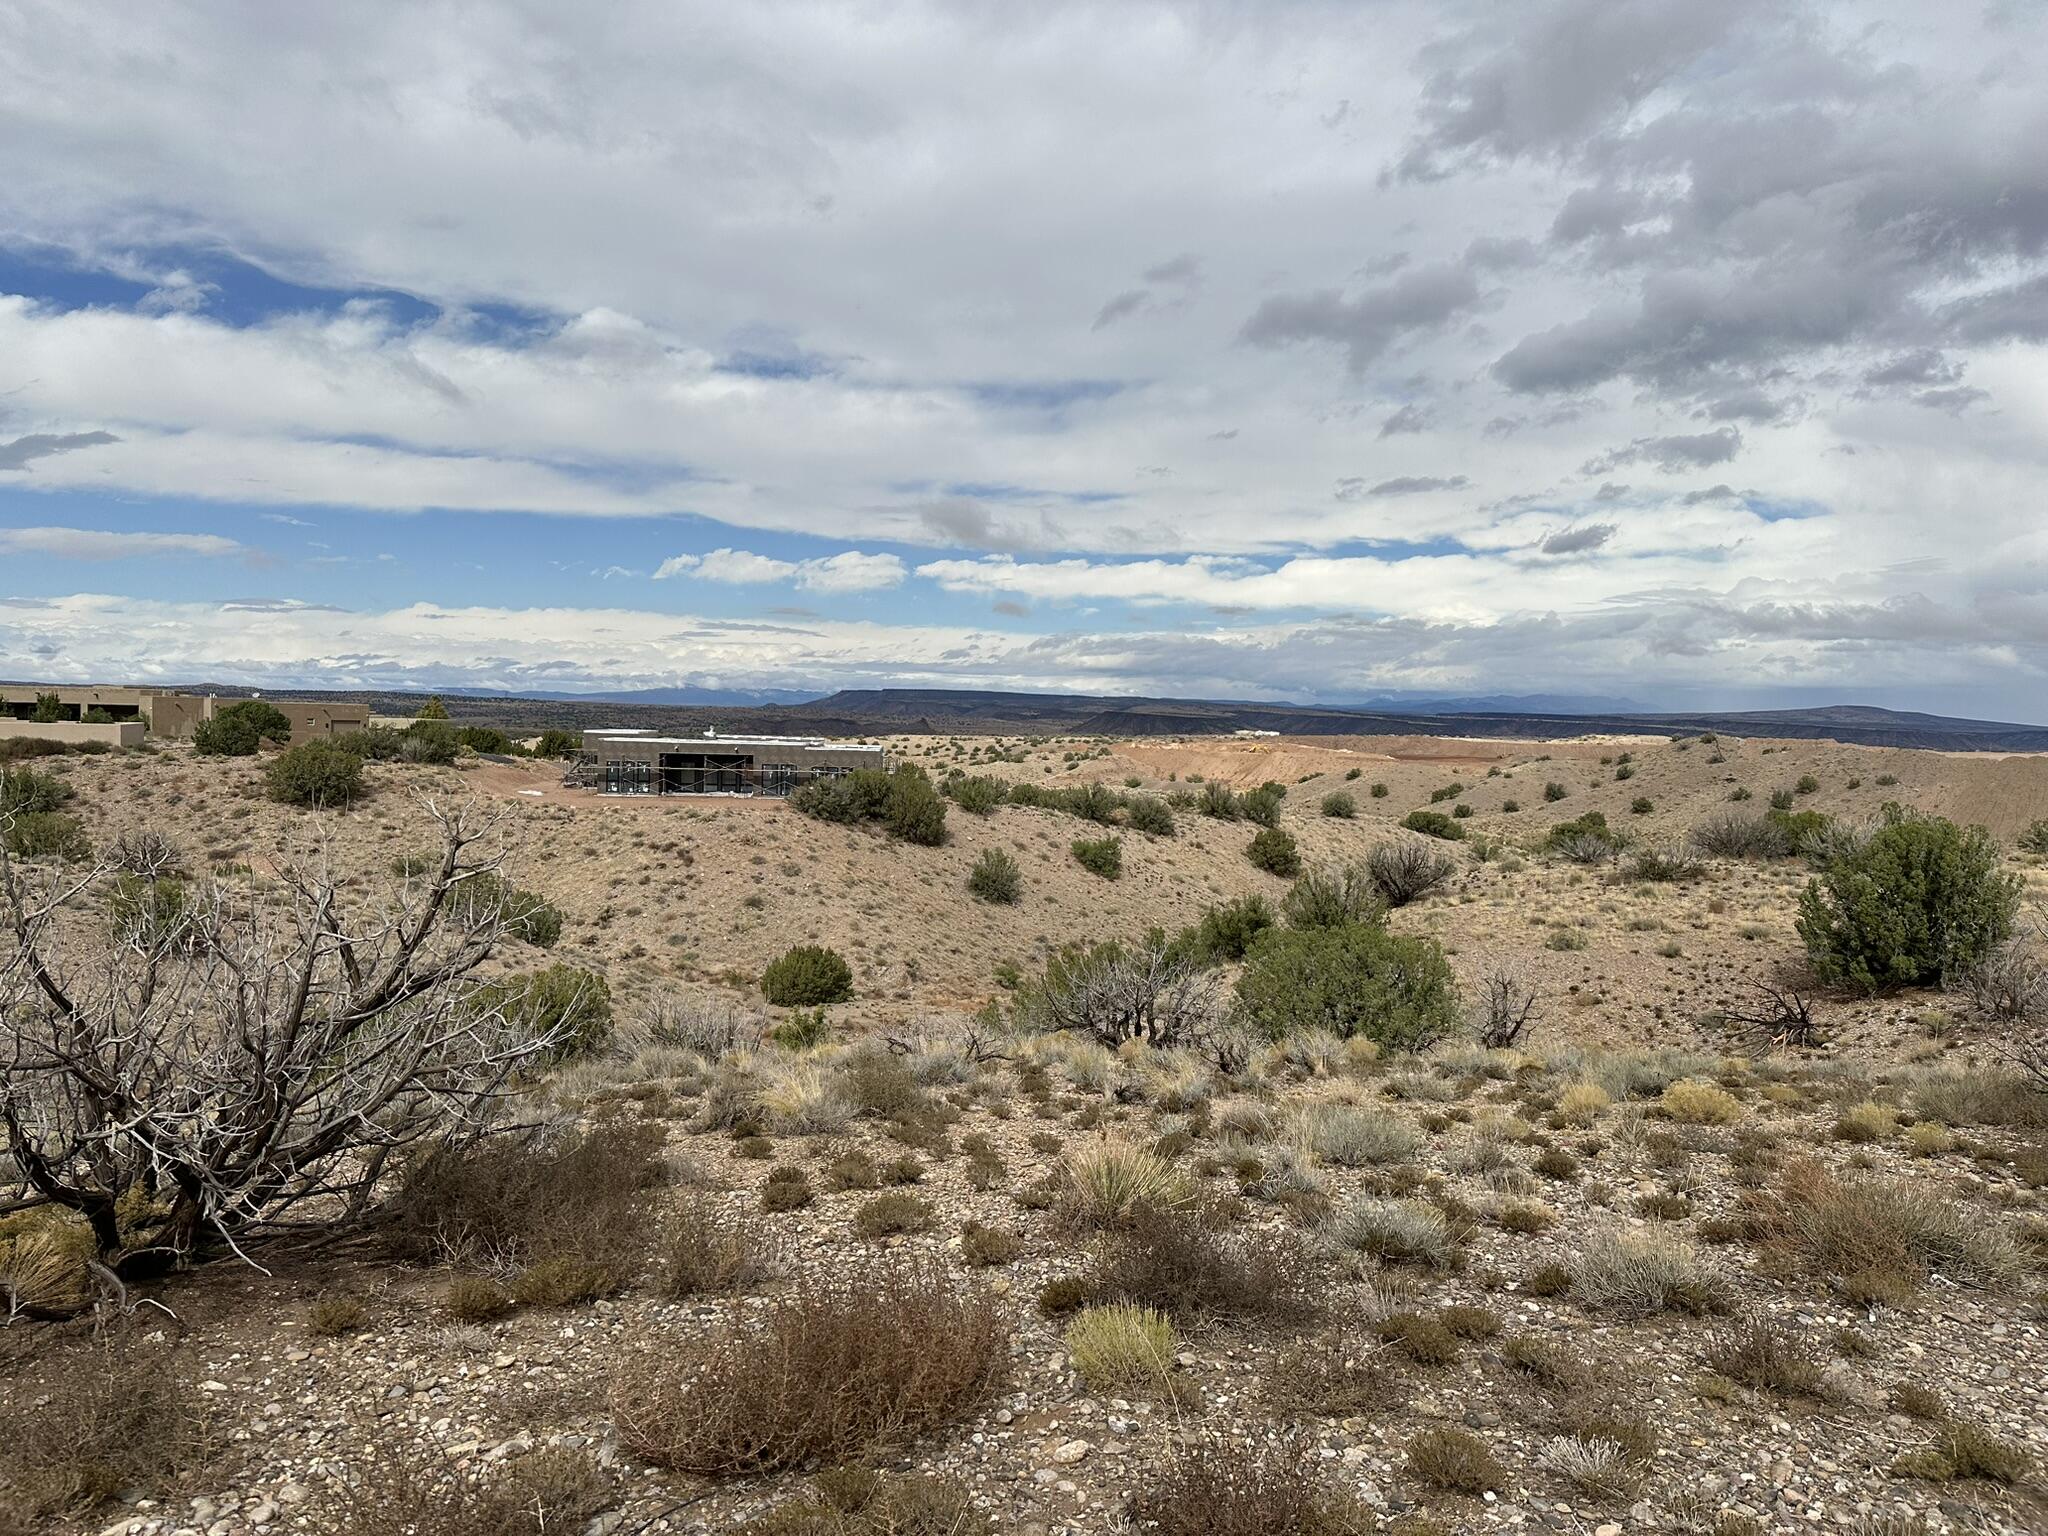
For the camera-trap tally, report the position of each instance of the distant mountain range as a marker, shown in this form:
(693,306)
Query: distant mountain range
(976,712)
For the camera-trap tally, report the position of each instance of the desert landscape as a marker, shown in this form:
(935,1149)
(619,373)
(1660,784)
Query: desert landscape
(1243,1159)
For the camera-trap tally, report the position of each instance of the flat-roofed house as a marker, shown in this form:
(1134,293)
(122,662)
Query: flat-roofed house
(641,762)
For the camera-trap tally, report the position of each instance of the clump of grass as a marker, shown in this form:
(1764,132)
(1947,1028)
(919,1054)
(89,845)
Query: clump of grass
(1455,1460)
(1120,1346)
(1422,1338)
(833,1368)
(1639,1273)
(983,1247)
(1107,1179)
(476,1299)
(1356,1138)
(1866,1122)
(1394,1232)
(1583,1103)
(1226,1487)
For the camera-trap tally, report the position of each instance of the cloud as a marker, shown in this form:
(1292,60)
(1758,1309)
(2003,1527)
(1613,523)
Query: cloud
(95,544)
(1578,540)
(848,571)
(1680,451)
(42,445)
(1410,418)
(1355,489)
(1372,320)
(1129,302)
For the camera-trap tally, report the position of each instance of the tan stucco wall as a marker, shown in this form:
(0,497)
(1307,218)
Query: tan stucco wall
(122,733)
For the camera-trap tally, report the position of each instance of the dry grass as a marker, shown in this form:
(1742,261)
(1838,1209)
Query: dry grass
(860,1501)
(1394,1232)
(1691,1102)
(1453,1459)
(1107,1179)
(1880,1239)
(1639,1273)
(837,1366)
(1167,1260)
(1121,1347)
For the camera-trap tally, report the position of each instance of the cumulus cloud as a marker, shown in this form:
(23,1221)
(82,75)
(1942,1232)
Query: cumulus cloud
(848,571)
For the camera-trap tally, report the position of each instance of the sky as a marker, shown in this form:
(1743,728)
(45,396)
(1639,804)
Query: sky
(1672,351)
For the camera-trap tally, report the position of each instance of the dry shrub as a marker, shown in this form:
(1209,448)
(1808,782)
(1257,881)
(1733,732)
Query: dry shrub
(1758,1353)
(709,1253)
(1334,1376)
(418,1489)
(571,1200)
(332,1316)
(1168,1260)
(1225,1487)
(1450,1458)
(476,1299)
(1356,1138)
(1422,1338)
(985,1247)
(1963,1450)
(43,1258)
(1969,1096)
(843,1363)
(891,1213)
(1880,1239)
(104,1418)
(860,1501)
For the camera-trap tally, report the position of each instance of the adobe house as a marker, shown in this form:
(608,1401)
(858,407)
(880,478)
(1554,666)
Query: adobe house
(122,716)
(638,762)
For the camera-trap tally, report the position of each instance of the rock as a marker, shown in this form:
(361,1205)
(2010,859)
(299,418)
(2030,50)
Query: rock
(1071,1452)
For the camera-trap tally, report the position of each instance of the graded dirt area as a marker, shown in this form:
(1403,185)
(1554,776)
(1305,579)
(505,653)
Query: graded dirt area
(1850,1237)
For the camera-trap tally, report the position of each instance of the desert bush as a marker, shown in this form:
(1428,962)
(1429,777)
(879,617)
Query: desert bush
(486,738)
(1637,1273)
(1970,1096)
(1340,805)
(44,1259)
(1920,899)
(1274,851)
(978,795)
(807,976)
(1393,1232)
(1664,865)
(476,1299)
(1434,824)
(891,1212)
(1219,801)
(558,743)
(1227,930)
(1732,835)
(564,1002)
(1153,991)
(1223,1486)
(1880,1239)
(516,1201)
(1395,990)
(1102,856)
(315,773)
(1965,1450)
(1693,1102)
(902,799)
(787,1189)
(1453,1459)
(1554,791)
(2033,840)
(526,916)
(842,1364)
(1356,1138)
(1597,1467)
(1332,896)
(996,878)
(105,1417)
(1150,815)
(1262,805)
(417,1488)
(46,835)
(1164,1258)
(238,729)
(1405,871)
(1507,1011)
(1120,1347)
(1759,1353)
(333,1316)
(23,791)
(1585,839)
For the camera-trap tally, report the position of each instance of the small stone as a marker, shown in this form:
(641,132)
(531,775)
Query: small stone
(1071,1452)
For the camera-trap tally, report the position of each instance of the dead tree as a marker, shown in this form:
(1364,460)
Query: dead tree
(1507,1011)
(1774,1016)
(185,1084)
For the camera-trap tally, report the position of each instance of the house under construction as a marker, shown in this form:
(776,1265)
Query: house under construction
(639,762)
